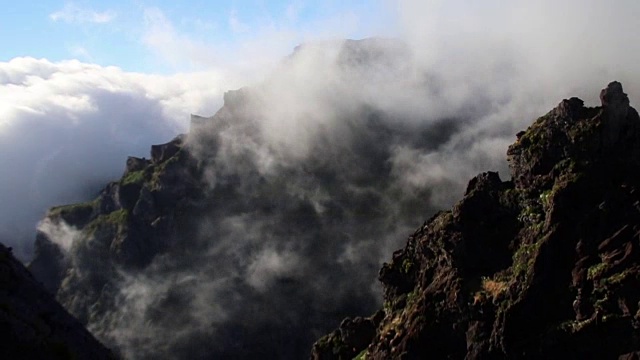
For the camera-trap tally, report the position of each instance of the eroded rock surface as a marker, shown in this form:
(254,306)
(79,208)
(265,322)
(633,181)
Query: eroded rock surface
(546,265)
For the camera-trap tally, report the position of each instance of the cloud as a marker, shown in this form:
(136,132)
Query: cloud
(293,10)
(554,49)
(183,50)
(73,14)
(81,53)
(161,36)
(250,47)
(59,232)
(235,24)
(66,129)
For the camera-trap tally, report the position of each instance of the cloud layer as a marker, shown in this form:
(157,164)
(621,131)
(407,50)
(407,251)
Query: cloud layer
(66,129)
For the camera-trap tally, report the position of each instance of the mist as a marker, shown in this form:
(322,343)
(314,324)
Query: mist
(319,170)
(66,127)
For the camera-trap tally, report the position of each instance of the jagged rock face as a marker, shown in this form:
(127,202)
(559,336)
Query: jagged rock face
(163,152)
(544,266)
(130,222)
(33,325)
(149,223)
(616,105)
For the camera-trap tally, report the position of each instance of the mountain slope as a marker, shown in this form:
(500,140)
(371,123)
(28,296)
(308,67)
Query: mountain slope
(265,225)
(34,325)
(546,265)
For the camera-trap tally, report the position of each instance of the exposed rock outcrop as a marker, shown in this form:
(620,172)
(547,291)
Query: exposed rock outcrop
(546,265)
(163,152)
(615,104)
(235,98)
(135,164)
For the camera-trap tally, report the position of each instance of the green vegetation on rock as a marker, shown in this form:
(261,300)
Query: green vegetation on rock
(361,356)
(117,219)
(134,177)
(566,272)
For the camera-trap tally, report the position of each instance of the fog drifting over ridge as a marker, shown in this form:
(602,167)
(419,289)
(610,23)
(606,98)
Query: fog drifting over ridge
(522,56)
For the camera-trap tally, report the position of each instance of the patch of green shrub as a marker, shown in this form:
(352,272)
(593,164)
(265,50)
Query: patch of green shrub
(596,270)
(362,355)
(134,177)
(65,210)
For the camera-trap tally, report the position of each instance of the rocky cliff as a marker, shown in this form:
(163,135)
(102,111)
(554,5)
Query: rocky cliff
(33,325)
(545,265)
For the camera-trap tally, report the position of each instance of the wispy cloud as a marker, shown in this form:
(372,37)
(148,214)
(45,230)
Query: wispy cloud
(161,36)
(81,52)
(235,24)
(293,10)
(73,14)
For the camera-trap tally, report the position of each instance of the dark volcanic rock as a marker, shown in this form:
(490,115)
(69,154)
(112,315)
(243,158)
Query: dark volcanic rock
(544,266)
(162,153)
(346,342)
(615,104)
(33,325)
(49,262)
(135,164)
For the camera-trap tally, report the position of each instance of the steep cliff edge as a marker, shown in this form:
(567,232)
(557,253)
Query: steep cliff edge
(131,221)
(546,265)
(33,325)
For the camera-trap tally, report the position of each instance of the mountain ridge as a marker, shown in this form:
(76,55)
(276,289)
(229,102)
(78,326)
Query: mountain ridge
(237,228)
(273,215)
(545,265)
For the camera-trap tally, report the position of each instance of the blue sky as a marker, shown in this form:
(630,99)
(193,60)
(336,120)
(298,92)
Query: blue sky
(166,36)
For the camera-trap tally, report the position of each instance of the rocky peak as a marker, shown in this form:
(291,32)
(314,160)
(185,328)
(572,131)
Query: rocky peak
(161,153)
(575,138)
(135,164)
(614,97)
(616,106)
(571,108)
(546,265)
(235,98)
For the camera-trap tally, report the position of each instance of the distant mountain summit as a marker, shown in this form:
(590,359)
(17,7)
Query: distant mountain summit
(546,265)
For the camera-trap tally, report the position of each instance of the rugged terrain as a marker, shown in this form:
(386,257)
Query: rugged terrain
(264,226)
(545,265)
(33,325)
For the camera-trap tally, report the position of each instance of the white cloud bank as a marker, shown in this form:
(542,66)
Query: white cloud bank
(66,129)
